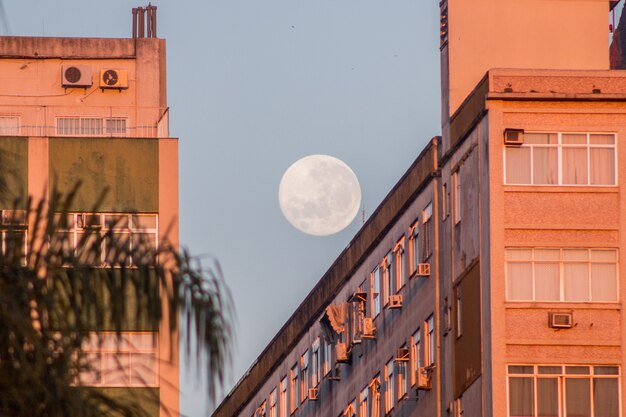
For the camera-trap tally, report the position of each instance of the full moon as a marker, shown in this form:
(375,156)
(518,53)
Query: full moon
(319,195)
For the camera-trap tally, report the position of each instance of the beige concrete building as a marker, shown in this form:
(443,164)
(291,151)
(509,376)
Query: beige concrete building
(95,111)
(488,281)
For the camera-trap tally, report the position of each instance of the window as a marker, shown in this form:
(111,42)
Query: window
(282,401)
(376,289)
(260,412)
(375,396)
(304,376)
(350,410)
(364,403)
(389,386)
(585,391)
(273,401)
(130,360)
(79,230)
(562,159)
(445,200)
(399,277)
(427,215)
(9,125)
(429,335)
(13,235)
(456,181)
(90,126)
(549,274)
(316,362)
(402,376)
(416,355)
(414,250)
(459,313)
(328,355)
(293,388)
(387,270)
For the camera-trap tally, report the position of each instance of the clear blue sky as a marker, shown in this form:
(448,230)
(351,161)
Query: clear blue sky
(255,85)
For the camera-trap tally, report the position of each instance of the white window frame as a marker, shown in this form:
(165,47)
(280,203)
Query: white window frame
(416,355)
(429,340)
(283,398)
(103,346)
(273,403)
(304,376)
(389,386)
(81,130)
(561,382)
(562,263)
(17,127)
(559,146)
(414,247)
(456,181)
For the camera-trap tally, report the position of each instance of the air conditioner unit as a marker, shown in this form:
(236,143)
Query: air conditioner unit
(395,301)
(513,137)
(313,394)
(14,217)
(89,221)
(402,355)
(369,330)
(341,353)
(423,270)
(561,320)
(423,379)
(113,78)
(79,76)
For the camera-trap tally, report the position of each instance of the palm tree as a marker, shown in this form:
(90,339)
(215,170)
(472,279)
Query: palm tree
(53,297)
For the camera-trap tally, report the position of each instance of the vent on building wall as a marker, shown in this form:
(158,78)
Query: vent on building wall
(113,79)
(513,137)
(76,76)
(560,320)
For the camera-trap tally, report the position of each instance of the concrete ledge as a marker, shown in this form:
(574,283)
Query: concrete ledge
(67,48)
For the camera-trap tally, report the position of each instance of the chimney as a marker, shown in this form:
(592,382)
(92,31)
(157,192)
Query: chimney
(144,22)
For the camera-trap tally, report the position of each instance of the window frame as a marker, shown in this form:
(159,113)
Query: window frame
(414,248)
(456,181)
(416,355)
(559,146)
(283,398)
(389,386)
(294,400)
(429,340)
(562,263)
(561,378)
(80,128)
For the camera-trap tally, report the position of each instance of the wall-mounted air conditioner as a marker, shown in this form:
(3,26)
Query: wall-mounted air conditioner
(560,320)
(402,355)
(423,270)
(369,330)
(76,76)
(113,78)
(513,137)
(341,352)
(314,394)
(423,379)
(395,301)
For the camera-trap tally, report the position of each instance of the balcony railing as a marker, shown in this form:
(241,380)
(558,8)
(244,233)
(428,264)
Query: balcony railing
(128,122)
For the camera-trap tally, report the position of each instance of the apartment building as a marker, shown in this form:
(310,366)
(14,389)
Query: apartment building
(488,281)
(95,111)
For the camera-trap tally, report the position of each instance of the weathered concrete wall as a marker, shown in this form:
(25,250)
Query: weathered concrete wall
(126,169)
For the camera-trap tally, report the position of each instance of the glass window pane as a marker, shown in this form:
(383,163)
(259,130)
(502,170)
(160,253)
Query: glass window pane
(606,370)
(519,254)
(143,369)
(520,369)
(604,255)
(547,286)
(573,139)
(518,165)
(550,370)
(521,397)
(603,282)
(574,165)
(602,166)
(547,254)
(545,165)
(540,138)
(576,281)
(576,254)
(605,397)
(577,370)
(519,282)
(577,397)
(602,139)
(548,397)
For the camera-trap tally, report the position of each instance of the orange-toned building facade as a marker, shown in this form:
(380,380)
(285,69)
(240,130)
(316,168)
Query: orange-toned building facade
(488,281)
(95,111)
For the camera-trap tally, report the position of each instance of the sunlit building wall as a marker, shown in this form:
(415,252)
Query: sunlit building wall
(95,111)
(488,281)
